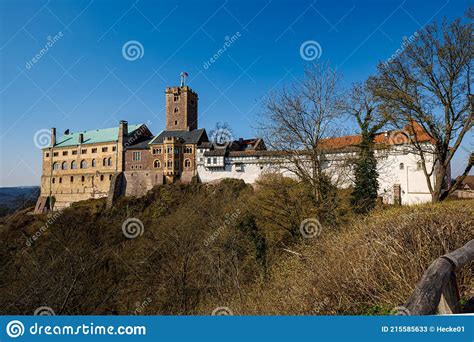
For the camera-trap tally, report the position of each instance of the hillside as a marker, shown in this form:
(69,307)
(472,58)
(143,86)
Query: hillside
(226,245)
(14,198)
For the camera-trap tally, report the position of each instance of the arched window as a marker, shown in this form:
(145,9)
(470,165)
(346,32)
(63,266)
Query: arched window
(83,179)
(104,162)
(72,179)
(176,109)
(187,163)
(170,163)
(64,166)
(101,177)
(156,164)
(402,166)
(109,161)
(73,165)
(94,163)
(83,164)
(55,166)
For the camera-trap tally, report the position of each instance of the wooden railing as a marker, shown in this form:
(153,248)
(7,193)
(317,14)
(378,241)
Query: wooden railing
(437,291)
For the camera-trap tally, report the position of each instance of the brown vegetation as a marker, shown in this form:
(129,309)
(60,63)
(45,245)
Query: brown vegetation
(368,267)
(207,246)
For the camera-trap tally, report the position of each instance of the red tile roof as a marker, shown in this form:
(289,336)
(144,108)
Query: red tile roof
(394,137)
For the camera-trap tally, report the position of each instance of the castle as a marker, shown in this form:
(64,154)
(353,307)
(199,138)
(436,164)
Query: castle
(129,160)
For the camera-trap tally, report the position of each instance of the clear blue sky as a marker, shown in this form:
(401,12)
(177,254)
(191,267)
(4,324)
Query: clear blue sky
(84,82)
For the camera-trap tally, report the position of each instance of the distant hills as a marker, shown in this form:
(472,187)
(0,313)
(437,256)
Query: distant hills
(14,198)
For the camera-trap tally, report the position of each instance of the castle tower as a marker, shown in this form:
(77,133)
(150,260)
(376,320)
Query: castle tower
(181,107)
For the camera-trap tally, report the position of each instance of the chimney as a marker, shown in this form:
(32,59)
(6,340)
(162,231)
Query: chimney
(81,138)
(53,136)
(123,131)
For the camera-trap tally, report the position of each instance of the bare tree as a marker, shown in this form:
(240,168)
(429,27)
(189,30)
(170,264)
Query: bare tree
(298,118)
(427,87)
(366,108)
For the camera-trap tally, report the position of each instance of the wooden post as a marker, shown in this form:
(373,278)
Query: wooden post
(437,289)
(449,303)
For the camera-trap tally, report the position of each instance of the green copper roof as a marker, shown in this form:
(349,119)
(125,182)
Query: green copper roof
(93,136)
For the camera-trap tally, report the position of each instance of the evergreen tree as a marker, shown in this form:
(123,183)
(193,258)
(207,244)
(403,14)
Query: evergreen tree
(364,195)
(365,107)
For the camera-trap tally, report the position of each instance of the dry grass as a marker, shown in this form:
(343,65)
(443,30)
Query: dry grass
(368,267)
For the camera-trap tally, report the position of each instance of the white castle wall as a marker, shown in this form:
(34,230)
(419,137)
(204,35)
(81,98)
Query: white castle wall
(411,178)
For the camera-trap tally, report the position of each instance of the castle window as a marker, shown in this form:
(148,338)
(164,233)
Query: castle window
(47,154)
(156,164)
(83,164)
(64,153)
(175,122)
(110,177)
(193,103)
(176,109)
(187,163)
(188,149)
(74,152)
(94,163)
(53,180)
(170,163)
(73,165)
(176,97)
(402,166)
(136,156)
(64,166)
(56,166)
(83,179)
(60,179)
(157,150)
(84,151)
(72,179)
(55,154)
(105,149)
(101,177)
(109,161)
(104,162)
(169,150)
(176,150)
(113,148)
(94,150)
